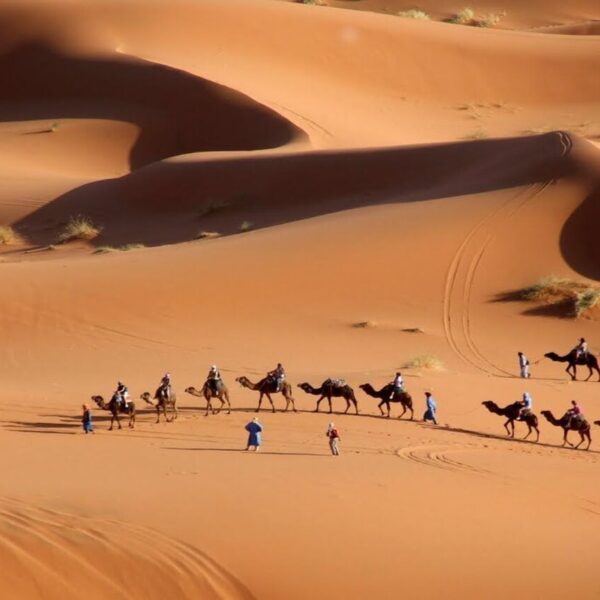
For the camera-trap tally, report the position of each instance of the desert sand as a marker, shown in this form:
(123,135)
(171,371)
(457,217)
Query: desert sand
(405,175)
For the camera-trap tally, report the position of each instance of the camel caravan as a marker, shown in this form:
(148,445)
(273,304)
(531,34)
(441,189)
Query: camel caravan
(164,399)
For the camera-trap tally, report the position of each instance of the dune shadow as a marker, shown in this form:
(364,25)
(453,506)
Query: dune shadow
(170,201)
(560,310)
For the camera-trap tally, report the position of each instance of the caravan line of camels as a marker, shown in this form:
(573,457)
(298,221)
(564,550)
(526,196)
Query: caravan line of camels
(328,390)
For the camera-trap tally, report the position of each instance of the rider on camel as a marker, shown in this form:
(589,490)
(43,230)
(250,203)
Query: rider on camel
(165,386)
(573,413)
(213,380)
(581,350)
(277,375)
(397,385)
(526,404)
(122,394)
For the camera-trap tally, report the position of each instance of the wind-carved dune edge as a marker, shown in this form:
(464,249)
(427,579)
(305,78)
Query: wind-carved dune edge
(54,555)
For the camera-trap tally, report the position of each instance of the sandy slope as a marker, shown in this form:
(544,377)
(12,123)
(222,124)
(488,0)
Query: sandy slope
(341,136)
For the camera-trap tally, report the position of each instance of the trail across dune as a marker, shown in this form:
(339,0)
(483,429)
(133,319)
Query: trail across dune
(52,555)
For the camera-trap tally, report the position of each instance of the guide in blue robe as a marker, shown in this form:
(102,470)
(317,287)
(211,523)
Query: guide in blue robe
(254,428)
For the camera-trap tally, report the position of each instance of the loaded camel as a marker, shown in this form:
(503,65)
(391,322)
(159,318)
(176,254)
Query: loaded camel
(385,395)
(329,390)
(115,408)
(571,424)
(208,393)
(512,412)
(266,387)
(162,403)
(588,360)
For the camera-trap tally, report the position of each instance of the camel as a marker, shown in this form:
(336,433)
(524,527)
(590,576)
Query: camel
(161,404)
(384,394)
(329,390)
(208,393)
(568,424)
(266,387)
(589,361)
(115,408)
(511,412)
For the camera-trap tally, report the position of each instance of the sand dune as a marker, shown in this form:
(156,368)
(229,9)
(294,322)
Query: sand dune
(358,168)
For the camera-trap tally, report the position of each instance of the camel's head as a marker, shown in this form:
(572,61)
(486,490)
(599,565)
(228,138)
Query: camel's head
(189,390)
(242,380)
(99,400)
(551,355)
(596,422)
(489,404)
(366,387)
(146,397)
(304,386)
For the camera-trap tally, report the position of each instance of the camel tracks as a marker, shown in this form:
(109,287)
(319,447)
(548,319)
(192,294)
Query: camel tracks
(440,457)
(461,277)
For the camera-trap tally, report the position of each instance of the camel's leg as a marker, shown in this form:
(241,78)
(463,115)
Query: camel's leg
(347,405)
(118,421)
(529,432)
(412,413)
(355,405)
(589,437)
(403,411)
(222,401)
(131,420)
(591,373)
(112,420)
(228,404)
(319,402)
(565,440)
(379,407)
(581,440)
(175,413)
(508,429)
(208,407)
(259,401)
(573,374)
(291,399)
(537,431)
(165,413)
(158,413)
(270,400)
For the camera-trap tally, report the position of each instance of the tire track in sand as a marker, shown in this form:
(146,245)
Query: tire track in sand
(64,554)
(441,457)
(460,280)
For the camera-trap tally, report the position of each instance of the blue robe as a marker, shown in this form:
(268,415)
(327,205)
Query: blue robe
(254,429)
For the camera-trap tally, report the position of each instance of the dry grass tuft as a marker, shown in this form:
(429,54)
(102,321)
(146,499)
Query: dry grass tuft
(579,297)
(424,361)
(79,228)
(207,235)
(8,236)
(364,324)
(419,15)
(463,17)
(246,226)
(489,20)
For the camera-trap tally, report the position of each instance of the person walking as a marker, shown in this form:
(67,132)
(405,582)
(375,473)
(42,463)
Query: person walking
(334,438)
(254,429)
(431,408)
(86,419)
(523,366)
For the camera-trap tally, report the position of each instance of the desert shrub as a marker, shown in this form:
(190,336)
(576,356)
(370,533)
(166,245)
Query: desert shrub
(489,20)
(8,236)
(212,206)
(104,249)
(128,247)
(577,296)
(419,15)
(478,134)
(79,228)
(246,226)
(463,17)
(585,301)
(364,324)
(207,235)
(424,361)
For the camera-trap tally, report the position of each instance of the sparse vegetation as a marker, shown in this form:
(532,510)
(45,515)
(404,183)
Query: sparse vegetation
(479,134)
(8,236)
(412,330)
(207,235)
(246,226)
(125,248)
(419,15)
(489,20)
(79,228)
(577,297)
(424,361)
(314,2)
(364,324)
(463,17)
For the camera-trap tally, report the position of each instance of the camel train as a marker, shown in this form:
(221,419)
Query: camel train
(165,401)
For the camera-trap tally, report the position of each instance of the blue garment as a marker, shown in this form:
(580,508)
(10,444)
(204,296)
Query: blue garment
(527,401)
(431,405)
(87,422)
(431,408)
(254,429)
